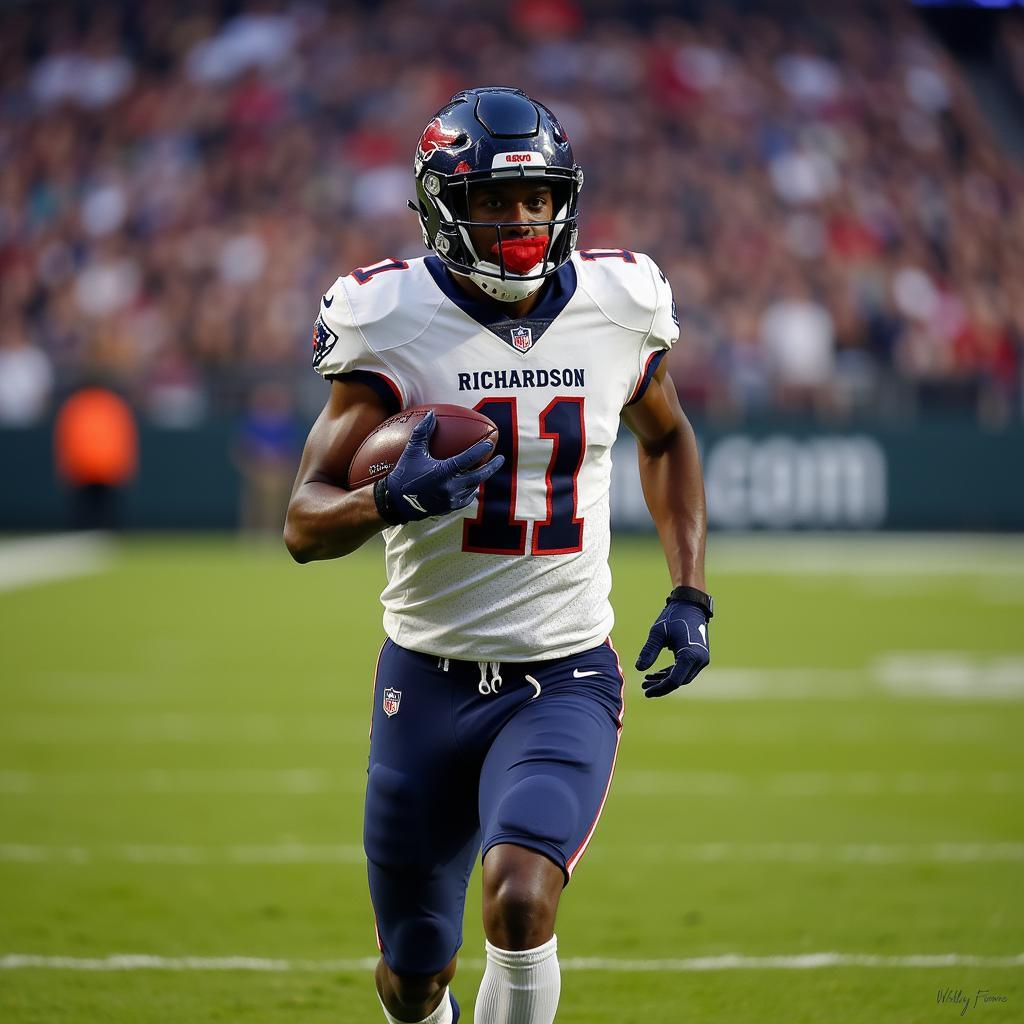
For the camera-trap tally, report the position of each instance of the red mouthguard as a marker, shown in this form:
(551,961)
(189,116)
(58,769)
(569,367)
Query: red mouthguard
(522,254)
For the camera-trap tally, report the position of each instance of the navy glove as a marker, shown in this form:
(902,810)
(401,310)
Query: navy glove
(682,627)
(421,486)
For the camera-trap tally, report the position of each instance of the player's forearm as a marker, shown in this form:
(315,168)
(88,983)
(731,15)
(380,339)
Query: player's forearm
(327,522)
(673,486)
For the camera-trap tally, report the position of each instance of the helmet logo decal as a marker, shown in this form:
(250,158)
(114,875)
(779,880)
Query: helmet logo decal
(435,137)
(462,168)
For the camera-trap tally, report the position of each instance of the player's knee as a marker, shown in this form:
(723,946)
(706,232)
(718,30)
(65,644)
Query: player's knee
(414,992)
(539,807)
(521,885)
(520,899)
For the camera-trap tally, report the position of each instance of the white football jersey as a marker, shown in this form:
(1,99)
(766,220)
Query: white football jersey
(522,574)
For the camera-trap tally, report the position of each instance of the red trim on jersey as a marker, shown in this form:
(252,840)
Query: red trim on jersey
(373,702)
(581,849)
(373,690)
(391,384)
(555,437)
(640,388)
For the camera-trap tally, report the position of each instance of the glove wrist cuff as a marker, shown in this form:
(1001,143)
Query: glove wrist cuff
(382,499)
(691,595)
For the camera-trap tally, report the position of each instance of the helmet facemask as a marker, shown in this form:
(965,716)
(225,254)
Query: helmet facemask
(516,266)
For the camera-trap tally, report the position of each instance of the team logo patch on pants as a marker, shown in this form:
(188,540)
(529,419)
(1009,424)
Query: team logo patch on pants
(392,699)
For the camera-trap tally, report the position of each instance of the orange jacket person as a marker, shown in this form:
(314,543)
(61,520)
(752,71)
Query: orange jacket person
(96,444)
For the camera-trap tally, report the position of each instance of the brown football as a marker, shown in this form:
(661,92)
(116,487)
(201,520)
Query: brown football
(457,428)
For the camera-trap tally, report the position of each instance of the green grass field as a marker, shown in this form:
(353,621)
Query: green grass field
(183,748)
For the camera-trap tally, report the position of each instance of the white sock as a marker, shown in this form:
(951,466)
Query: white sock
(519,986)
(441,1015)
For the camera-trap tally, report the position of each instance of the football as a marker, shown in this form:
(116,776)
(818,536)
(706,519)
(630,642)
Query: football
(457,428)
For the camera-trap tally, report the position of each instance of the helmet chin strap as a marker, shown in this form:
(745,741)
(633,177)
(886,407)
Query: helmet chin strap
(507,289)
(510,288)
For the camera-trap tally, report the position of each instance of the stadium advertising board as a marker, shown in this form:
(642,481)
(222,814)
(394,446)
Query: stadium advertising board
(931,475)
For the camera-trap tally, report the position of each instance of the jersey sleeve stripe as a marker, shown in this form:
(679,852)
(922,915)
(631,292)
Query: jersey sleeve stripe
(385,387)
(653,362)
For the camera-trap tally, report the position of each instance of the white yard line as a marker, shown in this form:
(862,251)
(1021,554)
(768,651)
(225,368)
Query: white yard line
(34,560)
(634,782)
(114,727)
(873,555)
(722,962)
(142,853)
(819,853)
(708,852)
(904,675)
(814,784)
(293,782)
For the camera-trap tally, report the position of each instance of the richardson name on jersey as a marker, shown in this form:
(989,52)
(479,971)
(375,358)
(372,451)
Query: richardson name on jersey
(497,380)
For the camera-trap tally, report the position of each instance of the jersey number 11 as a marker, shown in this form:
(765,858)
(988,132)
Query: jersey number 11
(495,531)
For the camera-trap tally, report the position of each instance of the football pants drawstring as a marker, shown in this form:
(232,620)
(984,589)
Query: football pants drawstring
(494,684)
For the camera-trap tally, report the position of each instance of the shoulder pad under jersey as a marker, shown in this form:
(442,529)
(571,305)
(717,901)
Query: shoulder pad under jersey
(389,303)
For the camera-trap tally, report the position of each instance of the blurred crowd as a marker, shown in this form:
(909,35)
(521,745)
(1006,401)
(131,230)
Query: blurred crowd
(180,183)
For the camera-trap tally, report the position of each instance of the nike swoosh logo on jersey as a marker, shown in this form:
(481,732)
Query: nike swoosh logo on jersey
(327,301)
(577,674)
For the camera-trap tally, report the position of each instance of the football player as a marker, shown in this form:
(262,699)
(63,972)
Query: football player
(499,698)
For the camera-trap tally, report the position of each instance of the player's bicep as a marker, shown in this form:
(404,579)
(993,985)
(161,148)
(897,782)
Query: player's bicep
(352,411)
(657,416)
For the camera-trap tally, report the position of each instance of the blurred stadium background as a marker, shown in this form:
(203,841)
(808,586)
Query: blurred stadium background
(827,826)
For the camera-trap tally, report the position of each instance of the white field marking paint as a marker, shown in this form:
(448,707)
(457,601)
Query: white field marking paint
(905,675)
(710,852)
(853,554)
(178,728)
(813,784)
(778,684)
(819,853)
(722,962)
(293,782)
(635,782)
(34,560)
(954,675)
(138,853)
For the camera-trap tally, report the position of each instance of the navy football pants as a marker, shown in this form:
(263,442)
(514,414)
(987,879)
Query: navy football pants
(453,769)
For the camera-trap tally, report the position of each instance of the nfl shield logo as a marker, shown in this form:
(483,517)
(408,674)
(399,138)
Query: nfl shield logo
(392,698)
(522,338)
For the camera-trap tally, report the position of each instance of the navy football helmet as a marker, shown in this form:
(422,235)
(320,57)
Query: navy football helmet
(494,134)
